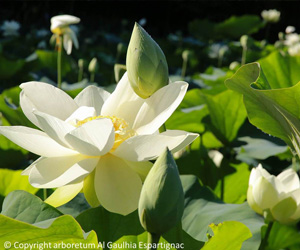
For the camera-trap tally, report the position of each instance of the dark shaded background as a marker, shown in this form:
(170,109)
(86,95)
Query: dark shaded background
(162,17)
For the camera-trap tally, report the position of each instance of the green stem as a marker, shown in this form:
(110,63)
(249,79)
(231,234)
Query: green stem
(184,67)
(92,77)
(59,53)
(244,55)
(264,242)
(80,74)
(45,194)
(153,240)
(162,128)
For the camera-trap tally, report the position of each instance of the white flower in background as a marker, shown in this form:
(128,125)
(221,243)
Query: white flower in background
(290,29)
(100,143)
(294,50)
(271,16)
(292,39)
(10,28)
(275,197)
(60,27)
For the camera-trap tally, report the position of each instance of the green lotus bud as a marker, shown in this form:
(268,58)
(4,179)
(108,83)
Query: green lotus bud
(121,48)
(119,70)
(93,65)
(186,54)
(162,199)
(244,41)
(146,63)
(80,63)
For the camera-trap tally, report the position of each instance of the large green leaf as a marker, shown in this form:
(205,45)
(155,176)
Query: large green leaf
(258,148)
(271,110)
(282,236)
(10,68)
(53,232)
(238,177)
(236,26)
(26,207)
(282,71)
(202,209)
(228,235)
(227,114)
(111,227)
(11,180)
(48,59)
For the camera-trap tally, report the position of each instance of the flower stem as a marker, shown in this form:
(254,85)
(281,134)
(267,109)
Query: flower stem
(80,74)
(92,77)
(244,55)
(45,194)
(153,240)
(184,67)
(264,242)
(59,53)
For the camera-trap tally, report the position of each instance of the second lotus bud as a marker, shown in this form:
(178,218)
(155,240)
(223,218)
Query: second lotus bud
(162,200)
(146,63)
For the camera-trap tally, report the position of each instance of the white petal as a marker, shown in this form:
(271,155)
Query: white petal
(64,194)
(123,102)
(45,98)
(59,171)
(74,38)
(262,171)
(93,138)
(65,19)
(255,174)
(80,114)
(54,127)
(148,147)
(117,186)
(67,43)
(92,96)
(264,193)
(35,141)
(159,107)
(142,168)
(289,179)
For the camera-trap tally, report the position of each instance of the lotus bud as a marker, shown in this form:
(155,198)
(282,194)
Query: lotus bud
(93,65)
(146,63)
(80,63)
(244,41)
(121,48)
(234,65)
(162,200)
(275,197)
(186,54)
(119,70)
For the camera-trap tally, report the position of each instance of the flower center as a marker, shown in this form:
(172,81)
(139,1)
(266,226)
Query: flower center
(122,132)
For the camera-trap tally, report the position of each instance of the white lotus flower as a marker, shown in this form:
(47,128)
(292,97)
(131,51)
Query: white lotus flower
(290,29)
(275,197)
(10,28)
(271,16)
(100,143)
(60,27)
(294,50)
(292,39)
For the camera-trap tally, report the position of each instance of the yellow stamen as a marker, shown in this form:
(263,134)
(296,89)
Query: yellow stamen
(122,132)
